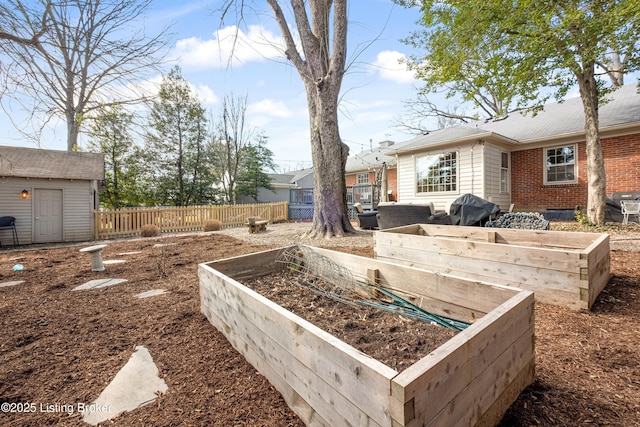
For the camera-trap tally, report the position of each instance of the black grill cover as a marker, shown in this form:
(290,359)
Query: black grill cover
(472,210)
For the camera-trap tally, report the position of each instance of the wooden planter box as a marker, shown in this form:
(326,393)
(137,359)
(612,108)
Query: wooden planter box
(562,268)
(472,379)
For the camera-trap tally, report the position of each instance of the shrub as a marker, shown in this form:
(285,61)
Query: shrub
(150,230)
(212,225)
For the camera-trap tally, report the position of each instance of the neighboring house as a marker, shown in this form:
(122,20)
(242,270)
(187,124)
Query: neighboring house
(535,162)
(363,172)
(52,194)
(282,184)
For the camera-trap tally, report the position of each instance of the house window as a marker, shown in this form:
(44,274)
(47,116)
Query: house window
(504,172)
(362,178)
(437,173)
(560,165)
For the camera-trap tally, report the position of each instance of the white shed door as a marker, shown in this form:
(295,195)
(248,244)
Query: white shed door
(48,215)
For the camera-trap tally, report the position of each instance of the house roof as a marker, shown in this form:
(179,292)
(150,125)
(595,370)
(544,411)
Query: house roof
(289,179)
(37,163)
(556,120)
(373,158)
(567,118)
(453,135)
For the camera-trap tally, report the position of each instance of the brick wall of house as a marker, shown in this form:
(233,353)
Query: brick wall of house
(392,180)
(622,168)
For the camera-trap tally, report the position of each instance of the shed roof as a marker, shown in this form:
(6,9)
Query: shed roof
(38,163)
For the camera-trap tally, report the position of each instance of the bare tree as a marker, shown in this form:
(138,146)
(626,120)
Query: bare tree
(37,30)
(319,57)
(233,136)
(421,113)
(80,59)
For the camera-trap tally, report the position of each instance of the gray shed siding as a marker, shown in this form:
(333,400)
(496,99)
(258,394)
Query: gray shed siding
(77,207)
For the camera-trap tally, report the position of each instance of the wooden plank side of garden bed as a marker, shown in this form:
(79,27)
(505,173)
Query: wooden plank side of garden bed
(559,277)
(329,374)
(571,240)
(463,379)
(450,296)
(257,265)
(552,287)
(298,404)
(599,256)
(493,254)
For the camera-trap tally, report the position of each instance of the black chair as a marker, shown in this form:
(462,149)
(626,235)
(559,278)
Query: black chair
(9,223)
(366,220)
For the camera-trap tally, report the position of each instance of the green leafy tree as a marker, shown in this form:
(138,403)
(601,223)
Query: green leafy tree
(177,157)
(109,133)
(548,47)
(475,78)
(256,160)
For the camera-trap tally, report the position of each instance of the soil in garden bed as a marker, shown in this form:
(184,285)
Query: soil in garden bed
(397,341)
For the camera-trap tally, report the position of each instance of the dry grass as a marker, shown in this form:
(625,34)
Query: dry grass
(150,230)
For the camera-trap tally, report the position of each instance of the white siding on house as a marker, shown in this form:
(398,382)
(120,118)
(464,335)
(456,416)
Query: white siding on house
(478,174)
(467,183)
(492,175)
(77,207)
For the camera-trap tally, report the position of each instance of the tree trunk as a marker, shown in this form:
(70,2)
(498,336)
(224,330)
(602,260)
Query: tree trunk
(329,155)
(73,128)
(596,201)
(323,40)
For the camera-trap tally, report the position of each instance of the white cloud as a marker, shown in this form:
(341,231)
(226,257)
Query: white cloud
(271,108)
(205,94)
(388,66)
(229,46)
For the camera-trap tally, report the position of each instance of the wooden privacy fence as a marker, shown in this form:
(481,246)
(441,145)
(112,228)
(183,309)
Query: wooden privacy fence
(124,222)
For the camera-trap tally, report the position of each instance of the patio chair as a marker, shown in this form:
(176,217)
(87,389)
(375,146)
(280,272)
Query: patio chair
(366,220)
(630,208)
(9,223)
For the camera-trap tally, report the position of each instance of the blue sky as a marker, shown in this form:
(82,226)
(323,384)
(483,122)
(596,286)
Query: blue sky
(372,91)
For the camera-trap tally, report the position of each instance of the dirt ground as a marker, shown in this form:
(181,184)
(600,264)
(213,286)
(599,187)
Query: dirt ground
(63,347)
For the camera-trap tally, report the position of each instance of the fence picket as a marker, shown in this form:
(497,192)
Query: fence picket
(125,222)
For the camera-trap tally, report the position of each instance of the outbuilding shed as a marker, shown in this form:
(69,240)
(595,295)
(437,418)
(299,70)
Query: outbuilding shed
(52,194)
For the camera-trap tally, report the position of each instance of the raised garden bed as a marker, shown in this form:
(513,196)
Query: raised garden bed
(471,379)
(564,268)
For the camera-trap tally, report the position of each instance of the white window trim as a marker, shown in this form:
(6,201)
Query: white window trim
(359,175)
(508,170)
(575,165)
(415,174)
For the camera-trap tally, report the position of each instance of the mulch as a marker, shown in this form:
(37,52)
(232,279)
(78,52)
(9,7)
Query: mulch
(64,347)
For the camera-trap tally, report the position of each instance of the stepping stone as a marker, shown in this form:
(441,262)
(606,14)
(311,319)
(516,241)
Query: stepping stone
(151,293)
(135,385)
(13,283)
(113,261)
(130,253)
(98,283)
